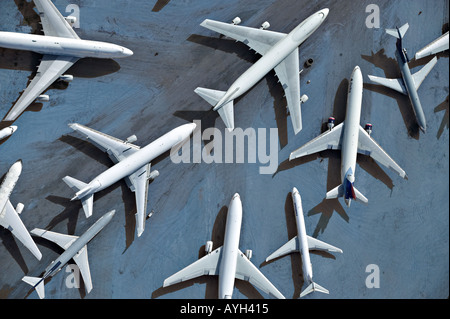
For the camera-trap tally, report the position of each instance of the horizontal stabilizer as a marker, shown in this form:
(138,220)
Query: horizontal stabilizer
(226,111)
(402,31)
(73,183)
(313,287)
(210,96)
(336,192)
(37,283)
(360,197)
(88,205)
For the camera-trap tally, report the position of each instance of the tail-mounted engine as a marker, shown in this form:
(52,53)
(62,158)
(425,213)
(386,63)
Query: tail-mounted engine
(331,121)
(368,128)
(208,247)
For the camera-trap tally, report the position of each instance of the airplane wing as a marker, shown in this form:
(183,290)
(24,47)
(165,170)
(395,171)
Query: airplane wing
(53,23)
(139,185)
(438,45)
(288,74)
(63,241)
(328,140)
(246,271)
(290,247)
(11,221)
(81,259)
(395,84)
(208,265)
(50,69)
(368,146)
(116,148)
(259,40)
(315,244)
(420,75)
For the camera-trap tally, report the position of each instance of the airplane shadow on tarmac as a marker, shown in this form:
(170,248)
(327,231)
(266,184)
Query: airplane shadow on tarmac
(212,283)
(328,206)
(28,61)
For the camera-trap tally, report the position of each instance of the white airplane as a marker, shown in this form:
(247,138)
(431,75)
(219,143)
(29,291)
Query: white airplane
(227,261)
(279,51)
(131,162)
(438,45)
(61,48)
(7,131)
(303,243)
(9,217)
(351,139)
(75,248)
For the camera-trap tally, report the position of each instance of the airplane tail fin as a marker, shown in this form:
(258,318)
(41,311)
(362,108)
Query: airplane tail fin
(37,283)
(351,193)
(226,112)
(78,186)
(398,33)
(313,287)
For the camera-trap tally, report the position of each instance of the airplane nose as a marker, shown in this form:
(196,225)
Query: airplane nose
(324,12)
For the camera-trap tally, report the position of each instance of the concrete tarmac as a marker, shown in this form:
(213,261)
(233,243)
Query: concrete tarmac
(402,234)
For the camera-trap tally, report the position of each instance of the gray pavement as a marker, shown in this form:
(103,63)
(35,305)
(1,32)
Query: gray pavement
(404,230)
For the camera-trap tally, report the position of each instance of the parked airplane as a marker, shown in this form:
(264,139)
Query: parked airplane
(279,51)
(61,48)
(438,45)
(9,217)
(131,162)
(227,261)
(303,243)
(7,131)
(350,138)
(409,84)
(75,248)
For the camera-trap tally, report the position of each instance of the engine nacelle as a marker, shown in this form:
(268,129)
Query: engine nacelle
(66,78)
(236,21)
(71,20)
(304,98)
(265,25)
(248,254)
(208,247)
(131,139)
(43,98)
(19,208)
(368,128)
(331,121)
(153,174)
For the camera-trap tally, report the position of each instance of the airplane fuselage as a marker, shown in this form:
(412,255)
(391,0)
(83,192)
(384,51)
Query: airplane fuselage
(301,235)
(230,249)
(410,86)
(62,46)
(9,182)
(142,157)
(349,149)
(272,58)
